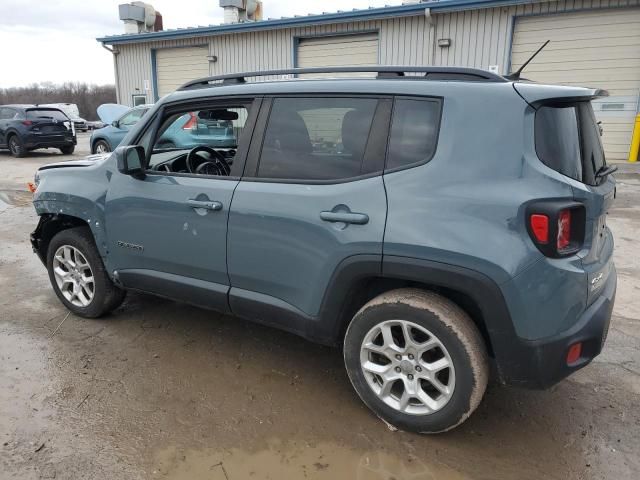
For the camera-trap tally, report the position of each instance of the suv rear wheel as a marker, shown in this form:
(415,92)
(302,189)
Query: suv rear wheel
(67,149)
(417,360)
(78,276)
(15,146)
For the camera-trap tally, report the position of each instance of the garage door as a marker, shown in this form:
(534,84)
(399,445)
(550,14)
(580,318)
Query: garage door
(176,66)
(595,49)
(340,50)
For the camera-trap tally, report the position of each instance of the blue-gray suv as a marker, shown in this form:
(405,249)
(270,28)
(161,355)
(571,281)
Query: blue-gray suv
(434,222)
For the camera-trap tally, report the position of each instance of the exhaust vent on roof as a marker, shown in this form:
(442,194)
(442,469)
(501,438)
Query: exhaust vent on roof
(236,11)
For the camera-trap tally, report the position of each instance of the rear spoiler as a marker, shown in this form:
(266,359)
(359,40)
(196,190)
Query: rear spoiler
(535,93)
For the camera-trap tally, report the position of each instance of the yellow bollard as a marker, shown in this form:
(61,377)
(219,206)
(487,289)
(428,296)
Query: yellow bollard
(635,141)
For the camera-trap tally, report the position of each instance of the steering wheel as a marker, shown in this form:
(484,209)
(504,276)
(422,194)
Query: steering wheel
(215,165)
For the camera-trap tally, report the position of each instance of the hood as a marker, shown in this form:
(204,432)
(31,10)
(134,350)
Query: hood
(86,162)
(108,112)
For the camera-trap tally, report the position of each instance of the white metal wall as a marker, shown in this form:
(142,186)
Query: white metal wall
(479,38)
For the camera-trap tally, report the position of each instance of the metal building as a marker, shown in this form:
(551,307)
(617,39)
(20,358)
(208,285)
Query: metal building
(593,43)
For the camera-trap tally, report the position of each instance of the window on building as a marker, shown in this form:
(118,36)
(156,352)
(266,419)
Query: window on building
(316,138)
(139,99)
(414,132)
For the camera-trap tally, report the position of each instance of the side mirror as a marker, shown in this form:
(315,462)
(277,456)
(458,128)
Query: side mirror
(115,124)
(130,160)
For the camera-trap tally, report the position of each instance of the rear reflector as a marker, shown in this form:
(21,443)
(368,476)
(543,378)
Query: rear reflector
(564,229)
(540,227)
(574,353)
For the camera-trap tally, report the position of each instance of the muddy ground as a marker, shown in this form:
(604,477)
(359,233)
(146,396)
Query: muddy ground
(160,390)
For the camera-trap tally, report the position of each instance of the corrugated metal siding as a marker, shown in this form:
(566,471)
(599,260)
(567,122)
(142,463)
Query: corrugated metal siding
(480,38)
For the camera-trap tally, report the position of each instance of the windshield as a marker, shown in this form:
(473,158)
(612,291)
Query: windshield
(46,114)
(567,140)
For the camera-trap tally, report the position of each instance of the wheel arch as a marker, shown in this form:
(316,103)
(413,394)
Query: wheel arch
(355,283)
(49,225)
(96,140)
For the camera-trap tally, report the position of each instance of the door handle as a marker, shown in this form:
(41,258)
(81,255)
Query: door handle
(345,217)
(207,204)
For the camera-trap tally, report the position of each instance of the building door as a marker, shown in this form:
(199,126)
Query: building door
(599,48)
(340,50)
(176,66)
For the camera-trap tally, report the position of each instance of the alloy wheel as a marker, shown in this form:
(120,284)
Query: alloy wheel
(407,367)
(73,276)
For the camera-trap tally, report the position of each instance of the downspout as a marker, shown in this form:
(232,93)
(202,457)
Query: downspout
(115,53)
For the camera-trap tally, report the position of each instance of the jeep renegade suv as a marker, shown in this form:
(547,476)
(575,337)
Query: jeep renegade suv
(431,224)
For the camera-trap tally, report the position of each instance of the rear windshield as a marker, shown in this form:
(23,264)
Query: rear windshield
(568,140)
(43,113)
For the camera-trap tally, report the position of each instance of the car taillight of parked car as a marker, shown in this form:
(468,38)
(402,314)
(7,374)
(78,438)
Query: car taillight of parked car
(27,123)
(192,123)
(556,227)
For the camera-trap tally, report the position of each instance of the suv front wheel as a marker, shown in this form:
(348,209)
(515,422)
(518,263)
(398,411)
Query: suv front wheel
(417,360)
(78,276)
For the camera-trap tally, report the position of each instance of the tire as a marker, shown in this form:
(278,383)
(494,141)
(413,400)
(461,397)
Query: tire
(68,149)
(101,146)
(440,333)
(80,248)
(16,147)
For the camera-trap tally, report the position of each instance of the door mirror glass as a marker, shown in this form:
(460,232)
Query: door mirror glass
(130,159)
(115,124)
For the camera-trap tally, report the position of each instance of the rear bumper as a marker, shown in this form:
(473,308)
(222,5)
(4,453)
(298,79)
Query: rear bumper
(42,141)
(542,363)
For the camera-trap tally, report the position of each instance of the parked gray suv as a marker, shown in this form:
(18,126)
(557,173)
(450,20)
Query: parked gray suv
(432,224)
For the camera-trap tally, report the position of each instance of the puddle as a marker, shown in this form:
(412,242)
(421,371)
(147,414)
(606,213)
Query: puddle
(14,198)
(286,460)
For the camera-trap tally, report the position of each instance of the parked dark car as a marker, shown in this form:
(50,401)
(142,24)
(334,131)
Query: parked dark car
(26,127)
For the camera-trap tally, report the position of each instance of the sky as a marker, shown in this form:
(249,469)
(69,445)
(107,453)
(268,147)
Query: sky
(54,40)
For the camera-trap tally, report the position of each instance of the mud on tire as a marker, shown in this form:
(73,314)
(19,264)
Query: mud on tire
(426,319)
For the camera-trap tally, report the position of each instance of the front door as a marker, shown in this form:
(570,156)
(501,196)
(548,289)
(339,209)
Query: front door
(167,231)
(314,198)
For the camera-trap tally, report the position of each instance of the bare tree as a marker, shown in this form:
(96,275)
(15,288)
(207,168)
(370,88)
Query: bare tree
(87,96)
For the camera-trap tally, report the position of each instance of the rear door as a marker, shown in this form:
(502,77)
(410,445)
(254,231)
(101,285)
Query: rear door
(312,196)
(6,114)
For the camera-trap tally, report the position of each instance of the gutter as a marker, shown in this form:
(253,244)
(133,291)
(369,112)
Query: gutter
(115,53)
(338,17)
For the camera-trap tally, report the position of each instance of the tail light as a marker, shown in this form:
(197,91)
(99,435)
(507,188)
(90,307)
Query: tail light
(192,123)
(27,123)
(556,227)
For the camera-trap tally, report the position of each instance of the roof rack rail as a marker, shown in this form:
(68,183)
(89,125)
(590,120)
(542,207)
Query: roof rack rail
(430,73)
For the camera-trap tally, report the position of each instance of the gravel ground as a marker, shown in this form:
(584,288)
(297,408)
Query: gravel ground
(160,390)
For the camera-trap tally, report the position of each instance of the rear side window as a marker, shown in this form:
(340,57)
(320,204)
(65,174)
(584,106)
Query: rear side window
(316,138)
(414,132)
(568,140)
(44,114)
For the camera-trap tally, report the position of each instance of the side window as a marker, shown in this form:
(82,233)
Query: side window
(7,113)
(316,138)
(414,132)
(131,118)
(216,131)
(558,140)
